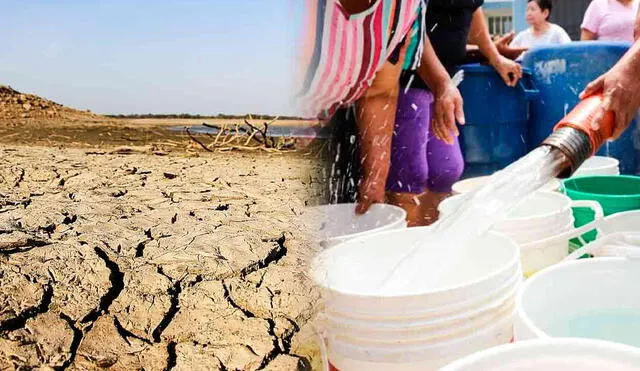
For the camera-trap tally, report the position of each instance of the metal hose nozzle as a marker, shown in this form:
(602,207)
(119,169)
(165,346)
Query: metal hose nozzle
(575,136)
(574,144)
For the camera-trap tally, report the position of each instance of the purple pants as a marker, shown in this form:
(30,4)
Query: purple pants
(419,160)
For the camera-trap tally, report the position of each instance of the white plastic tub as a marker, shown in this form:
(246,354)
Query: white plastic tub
(588,298)
(628,221)
(541,224)
(552,355)
(598,165)
(418,330)
(470,306)
(337,223)
(349,356)
(542,215)
(350,276)
(468,185)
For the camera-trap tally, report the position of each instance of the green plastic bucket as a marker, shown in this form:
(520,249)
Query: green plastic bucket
(615,193)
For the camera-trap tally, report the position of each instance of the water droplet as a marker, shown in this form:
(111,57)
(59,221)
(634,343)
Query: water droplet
(406,89)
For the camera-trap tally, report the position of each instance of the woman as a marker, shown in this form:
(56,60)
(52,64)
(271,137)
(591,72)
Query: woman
(610,20)
(426,159)
(621,87)
(356,51)
(542,32)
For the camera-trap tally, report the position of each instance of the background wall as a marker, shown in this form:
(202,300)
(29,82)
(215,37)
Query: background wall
(569,14)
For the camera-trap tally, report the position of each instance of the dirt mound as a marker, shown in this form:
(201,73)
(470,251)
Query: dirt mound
(17,105)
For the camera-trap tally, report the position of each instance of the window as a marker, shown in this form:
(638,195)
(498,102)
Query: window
(500,25)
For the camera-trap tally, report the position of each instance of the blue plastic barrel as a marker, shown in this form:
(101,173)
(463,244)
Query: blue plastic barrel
(560,73)
(495,134)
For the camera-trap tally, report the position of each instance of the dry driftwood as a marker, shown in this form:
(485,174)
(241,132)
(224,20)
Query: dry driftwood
(186,129)
(227,139)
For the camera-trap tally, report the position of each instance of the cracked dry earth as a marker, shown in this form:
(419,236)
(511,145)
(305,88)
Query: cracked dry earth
(143,262)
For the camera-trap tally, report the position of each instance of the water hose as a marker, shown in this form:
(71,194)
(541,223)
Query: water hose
(575,137)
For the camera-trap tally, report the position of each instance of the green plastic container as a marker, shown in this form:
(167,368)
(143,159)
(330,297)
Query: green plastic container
(615,193)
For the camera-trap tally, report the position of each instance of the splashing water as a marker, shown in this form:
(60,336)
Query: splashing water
(477,212)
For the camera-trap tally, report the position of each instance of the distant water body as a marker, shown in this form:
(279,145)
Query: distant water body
(285,131)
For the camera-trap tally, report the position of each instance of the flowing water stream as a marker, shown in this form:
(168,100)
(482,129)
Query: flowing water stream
(476,214)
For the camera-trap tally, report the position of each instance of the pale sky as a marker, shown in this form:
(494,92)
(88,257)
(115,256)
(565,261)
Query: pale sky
(150,56)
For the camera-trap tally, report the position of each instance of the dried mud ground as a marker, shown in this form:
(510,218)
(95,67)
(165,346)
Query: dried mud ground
(142,261)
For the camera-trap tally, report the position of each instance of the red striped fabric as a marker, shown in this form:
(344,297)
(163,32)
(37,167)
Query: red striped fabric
(348,50)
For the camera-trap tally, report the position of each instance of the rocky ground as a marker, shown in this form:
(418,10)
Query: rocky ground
(147,259)
(17,105)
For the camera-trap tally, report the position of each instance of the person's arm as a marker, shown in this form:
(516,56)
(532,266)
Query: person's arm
(375,117)
(510,71)
(636,29)
(591,22)
(509,51)
(587,35)
(621,89)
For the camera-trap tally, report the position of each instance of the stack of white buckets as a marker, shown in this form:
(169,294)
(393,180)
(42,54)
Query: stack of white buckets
(470,309)
(543,223)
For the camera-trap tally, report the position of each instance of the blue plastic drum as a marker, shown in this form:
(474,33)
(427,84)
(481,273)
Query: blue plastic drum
(497,116)
(560,73)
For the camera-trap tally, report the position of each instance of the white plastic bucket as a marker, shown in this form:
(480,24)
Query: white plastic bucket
(468,185)
(422,330)
(544,253)
(541,224)
(422,336)
(588,298)
(350,274)
(553,355)
(618,244)
(347,356)
(543,213)
(598,165)
(628,221)
(615,234)
(469,305)
(337,223)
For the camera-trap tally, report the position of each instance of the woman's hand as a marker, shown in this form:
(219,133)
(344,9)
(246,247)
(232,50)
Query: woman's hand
(510,71)
(504,48)
(621,90)
(448,109)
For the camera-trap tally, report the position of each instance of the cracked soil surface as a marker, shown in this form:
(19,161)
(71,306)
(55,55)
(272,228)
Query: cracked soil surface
(146,262)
